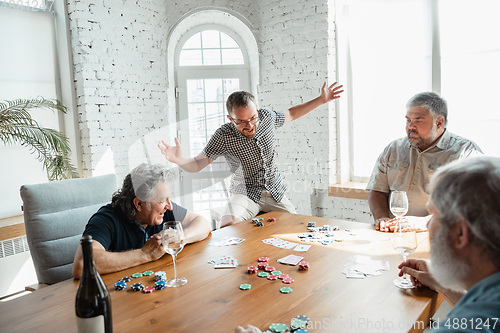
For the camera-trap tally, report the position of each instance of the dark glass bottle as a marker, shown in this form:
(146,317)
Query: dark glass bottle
(93,304)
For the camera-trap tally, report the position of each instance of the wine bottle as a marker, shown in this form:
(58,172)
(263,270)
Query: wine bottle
(93,304)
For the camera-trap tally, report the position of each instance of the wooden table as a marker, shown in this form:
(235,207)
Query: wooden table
(211,301)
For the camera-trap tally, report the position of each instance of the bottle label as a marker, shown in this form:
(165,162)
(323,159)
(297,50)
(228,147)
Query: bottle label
(90,325)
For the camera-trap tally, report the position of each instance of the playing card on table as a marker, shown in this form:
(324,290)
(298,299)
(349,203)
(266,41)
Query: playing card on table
(290,260)
(224,261)
(227,241)
(302,248)
(273,241)
(286,245)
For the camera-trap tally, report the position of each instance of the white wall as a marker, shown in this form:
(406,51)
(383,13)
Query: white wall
(119,50)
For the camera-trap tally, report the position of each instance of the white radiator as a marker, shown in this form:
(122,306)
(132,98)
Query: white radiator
(16,267)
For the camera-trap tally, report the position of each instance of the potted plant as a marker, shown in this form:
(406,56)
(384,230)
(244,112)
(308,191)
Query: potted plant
(50,147)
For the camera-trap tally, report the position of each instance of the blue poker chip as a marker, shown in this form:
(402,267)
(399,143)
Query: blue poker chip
(120,285)
(300,330)
(159,285)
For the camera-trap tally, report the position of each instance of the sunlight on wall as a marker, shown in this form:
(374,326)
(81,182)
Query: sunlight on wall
(106,164)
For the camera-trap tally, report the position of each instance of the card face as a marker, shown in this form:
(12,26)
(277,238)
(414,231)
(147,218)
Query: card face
(286,245)
(273,241)
(227,241)
(302,248)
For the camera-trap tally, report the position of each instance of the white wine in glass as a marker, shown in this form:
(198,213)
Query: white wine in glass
(173,240)
(404,239)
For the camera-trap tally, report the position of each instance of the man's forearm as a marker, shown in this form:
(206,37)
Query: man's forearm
(378,204)
(190,165)
(109,262)
(303,109)
(197,230)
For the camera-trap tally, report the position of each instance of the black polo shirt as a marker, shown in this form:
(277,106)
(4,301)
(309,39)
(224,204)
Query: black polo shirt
(116,233)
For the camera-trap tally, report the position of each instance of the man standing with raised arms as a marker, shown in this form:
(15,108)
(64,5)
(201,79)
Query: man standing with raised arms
(247,142)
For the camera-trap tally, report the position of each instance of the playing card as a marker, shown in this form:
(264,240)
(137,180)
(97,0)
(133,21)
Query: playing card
(273,241)
(302,248)
(286,245)
(290,260)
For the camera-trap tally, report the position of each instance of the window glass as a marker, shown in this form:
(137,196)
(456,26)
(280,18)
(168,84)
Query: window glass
(211,48)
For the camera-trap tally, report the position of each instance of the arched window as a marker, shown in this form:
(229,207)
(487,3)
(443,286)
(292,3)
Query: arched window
(211,63)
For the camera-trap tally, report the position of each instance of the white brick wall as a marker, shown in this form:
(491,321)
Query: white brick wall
(119,51)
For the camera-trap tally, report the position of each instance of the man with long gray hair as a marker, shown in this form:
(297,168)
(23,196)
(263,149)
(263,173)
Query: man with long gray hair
(464,233)
(127,232)
(408,163)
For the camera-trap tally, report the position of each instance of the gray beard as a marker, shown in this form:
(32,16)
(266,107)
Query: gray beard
(446,268)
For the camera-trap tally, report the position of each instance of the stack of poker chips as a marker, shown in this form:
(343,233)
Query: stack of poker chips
(160,275)
(303,265)
(137,286)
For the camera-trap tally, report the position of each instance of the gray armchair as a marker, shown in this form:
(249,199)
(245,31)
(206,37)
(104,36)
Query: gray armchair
(55,216)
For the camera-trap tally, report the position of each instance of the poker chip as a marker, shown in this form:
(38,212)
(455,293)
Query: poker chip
(120,285)
(311,224)
(262,265)
(300,330)
(263,274)
(278,327)
(245,286)
(160,275)
(272,277)
(159,285)
(126,279)
(283,276)
(137,286)
(286,290)
(259,224)
(297,324)
(137,275)
(148,273)
(287,280)
(148,290)
(262,259)
(271,219)
(303,265)
(261,219)
(270,268)
(252,269)
(276,273)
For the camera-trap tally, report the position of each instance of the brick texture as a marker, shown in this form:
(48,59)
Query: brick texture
(120,69)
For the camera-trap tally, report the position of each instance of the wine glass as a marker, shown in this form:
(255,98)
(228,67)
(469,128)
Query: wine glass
(404,239)
(173,240)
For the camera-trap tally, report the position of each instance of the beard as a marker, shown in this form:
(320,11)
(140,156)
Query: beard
(421,141)
(446,268)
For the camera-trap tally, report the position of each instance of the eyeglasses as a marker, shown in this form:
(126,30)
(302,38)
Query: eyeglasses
(244,123)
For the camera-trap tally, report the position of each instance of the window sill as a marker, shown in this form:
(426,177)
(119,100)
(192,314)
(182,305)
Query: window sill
(351,190)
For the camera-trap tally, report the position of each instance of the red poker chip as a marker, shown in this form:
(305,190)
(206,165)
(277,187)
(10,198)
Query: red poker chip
(272,277)
(148,289)
(252,269)
(270,268)
(262,265)
(287,280)
(303,265)
(283,276)
(262,259)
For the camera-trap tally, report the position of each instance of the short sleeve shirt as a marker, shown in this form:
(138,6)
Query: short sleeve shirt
(402,167)
(477,311)
(116,233)
(252,161)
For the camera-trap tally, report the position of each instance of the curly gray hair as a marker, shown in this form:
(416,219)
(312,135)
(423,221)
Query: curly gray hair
(140,183)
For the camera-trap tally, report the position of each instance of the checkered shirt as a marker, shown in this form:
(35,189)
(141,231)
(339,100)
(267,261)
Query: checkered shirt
(252,161)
